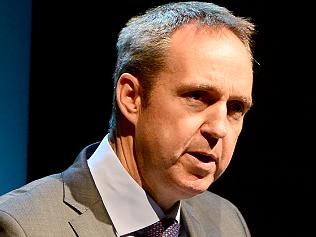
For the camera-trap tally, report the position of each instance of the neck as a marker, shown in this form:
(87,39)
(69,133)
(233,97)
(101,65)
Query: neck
(123,146)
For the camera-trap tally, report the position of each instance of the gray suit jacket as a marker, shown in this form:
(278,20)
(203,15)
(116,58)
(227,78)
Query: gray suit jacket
(68,204)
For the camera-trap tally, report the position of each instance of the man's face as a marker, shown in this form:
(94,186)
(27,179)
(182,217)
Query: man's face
(186,136)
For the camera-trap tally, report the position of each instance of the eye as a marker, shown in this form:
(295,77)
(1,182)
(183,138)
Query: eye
(196,99)
(196,95)
(236,109)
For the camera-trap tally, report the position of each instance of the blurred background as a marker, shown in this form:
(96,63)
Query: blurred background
(56,64)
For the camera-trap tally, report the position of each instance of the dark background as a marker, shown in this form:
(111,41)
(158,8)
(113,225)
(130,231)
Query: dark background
(270,177)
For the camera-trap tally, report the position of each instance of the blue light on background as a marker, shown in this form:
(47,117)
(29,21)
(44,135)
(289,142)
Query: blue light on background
(15,42)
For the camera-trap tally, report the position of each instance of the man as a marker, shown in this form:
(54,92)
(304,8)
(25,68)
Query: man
(183,84)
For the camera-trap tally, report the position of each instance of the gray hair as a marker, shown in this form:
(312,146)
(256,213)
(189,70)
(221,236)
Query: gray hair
(143,43)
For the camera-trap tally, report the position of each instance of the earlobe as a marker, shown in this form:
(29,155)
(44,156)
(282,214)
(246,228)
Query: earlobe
(128,96)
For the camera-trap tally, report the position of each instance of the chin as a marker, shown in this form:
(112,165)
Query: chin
(193,188)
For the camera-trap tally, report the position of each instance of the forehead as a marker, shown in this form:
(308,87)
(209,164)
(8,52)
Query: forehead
(215,57)
(199,40)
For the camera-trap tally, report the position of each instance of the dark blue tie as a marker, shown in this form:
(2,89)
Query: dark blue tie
(167,227)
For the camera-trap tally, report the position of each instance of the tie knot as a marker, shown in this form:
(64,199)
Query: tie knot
(167,227)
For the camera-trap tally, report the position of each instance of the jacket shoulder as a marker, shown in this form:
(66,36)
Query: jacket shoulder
(33,192)
(211,200)
(217,214)
(36,209)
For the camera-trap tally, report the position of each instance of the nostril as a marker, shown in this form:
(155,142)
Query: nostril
(211,140)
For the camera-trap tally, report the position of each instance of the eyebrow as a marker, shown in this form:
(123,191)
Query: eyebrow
(192,86)
(246,100)
(211,88)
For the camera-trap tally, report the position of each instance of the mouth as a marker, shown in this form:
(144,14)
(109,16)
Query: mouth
(205,158)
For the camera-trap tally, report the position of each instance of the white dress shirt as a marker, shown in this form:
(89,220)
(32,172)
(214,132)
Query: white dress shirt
(127,204)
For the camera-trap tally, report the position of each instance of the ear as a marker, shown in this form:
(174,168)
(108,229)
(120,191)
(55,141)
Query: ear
(128,96)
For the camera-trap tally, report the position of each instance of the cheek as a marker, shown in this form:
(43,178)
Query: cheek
(177,129)
(228,147)
(165,131)
(156,138)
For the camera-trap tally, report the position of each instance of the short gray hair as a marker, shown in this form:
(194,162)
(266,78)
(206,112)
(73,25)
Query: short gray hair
(143,43)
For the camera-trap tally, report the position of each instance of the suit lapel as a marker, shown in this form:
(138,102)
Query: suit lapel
(191,222)
(94,222)
(80,193)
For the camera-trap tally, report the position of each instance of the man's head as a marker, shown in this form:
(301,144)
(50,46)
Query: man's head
(142,45)
(184,84)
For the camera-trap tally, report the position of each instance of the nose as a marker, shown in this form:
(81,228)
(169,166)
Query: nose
(215,122)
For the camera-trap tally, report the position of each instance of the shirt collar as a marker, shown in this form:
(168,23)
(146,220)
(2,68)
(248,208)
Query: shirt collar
(127,204)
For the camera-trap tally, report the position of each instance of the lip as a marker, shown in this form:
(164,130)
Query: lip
(203,156)
(202,161)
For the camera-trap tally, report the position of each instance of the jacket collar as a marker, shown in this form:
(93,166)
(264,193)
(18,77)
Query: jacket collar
(81,194)
(191,221)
